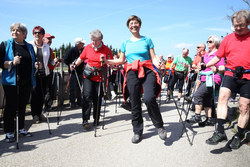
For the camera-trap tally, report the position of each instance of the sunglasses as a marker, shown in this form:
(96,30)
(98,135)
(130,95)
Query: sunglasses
(37,32)
(209,41)
(198,47)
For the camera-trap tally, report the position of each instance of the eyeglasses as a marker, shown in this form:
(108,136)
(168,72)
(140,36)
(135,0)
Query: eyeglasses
(37,32)
(240,25)
(198,47)
(209,41)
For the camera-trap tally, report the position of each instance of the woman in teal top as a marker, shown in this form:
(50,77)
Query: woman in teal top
(140,75)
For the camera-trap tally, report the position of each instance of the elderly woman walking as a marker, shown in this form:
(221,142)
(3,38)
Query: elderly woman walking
(92,53)
(17,59)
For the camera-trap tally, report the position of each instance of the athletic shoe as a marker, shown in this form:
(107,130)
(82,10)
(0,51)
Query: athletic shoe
(235,143)
(36,119)
(216,138)
(42,118)
(162,133)
(85,125)
(207,122)
(126,106)
(24,132)
(113,95)
(178,103)
(136,138)
(10,137)
(194,119)
(167,99)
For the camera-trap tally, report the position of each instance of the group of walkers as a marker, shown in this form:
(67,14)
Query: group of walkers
(26,72)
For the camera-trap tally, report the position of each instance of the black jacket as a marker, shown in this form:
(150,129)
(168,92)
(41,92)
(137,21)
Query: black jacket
(72,55)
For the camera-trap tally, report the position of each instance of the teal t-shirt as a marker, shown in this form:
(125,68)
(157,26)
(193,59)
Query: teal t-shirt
(180,61)
(137,50)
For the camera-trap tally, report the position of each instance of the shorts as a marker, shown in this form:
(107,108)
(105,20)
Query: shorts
(241,86)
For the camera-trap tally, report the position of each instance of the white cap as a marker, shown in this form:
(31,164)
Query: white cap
(79,40)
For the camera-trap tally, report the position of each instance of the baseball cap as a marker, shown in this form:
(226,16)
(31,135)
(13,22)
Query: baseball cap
(170,55)
(47,35)
(79,40)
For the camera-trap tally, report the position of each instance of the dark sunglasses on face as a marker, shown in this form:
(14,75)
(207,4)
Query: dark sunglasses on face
(198,47)
(37,32)
(209,41)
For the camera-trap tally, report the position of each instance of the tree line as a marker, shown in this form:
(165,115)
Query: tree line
(65,47)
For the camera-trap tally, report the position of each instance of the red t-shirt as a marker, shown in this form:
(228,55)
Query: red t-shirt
(197,59)
(92,57)
(236,49)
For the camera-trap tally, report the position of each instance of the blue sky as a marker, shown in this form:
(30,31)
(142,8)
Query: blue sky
(171,24)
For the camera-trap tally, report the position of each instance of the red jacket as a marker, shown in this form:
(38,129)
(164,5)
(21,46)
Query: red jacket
(138,66)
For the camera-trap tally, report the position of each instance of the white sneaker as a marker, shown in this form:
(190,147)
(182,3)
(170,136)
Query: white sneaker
(113,95)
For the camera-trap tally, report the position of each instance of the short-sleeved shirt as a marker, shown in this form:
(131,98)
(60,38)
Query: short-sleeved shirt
(198,58)
(217,77)
(180,61)
(236,49)
(137,50)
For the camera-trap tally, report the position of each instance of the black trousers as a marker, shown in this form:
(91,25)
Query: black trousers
(134,85)
(178,76)
(91,97)
(38,94)
(11,106)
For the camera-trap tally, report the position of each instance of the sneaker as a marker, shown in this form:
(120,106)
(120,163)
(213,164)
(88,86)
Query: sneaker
(216,138)
(136,138)
(36,119)
(126,106)
(235,143)
(85,125)
(42,118)
(24,132)
(113,95)
(162,133)
(194,119)
(207,122)
(178,103)
(10,137)
(187,98)
(167,99)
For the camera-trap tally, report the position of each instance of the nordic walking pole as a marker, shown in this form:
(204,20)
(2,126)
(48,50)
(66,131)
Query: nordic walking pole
(17,107)
(66,90)
(183,123)
(214,101)
(99,99)
(1,117)
(105,93)
(117,83)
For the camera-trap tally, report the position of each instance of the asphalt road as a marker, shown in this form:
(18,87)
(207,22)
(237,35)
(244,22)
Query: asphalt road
(68,145)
